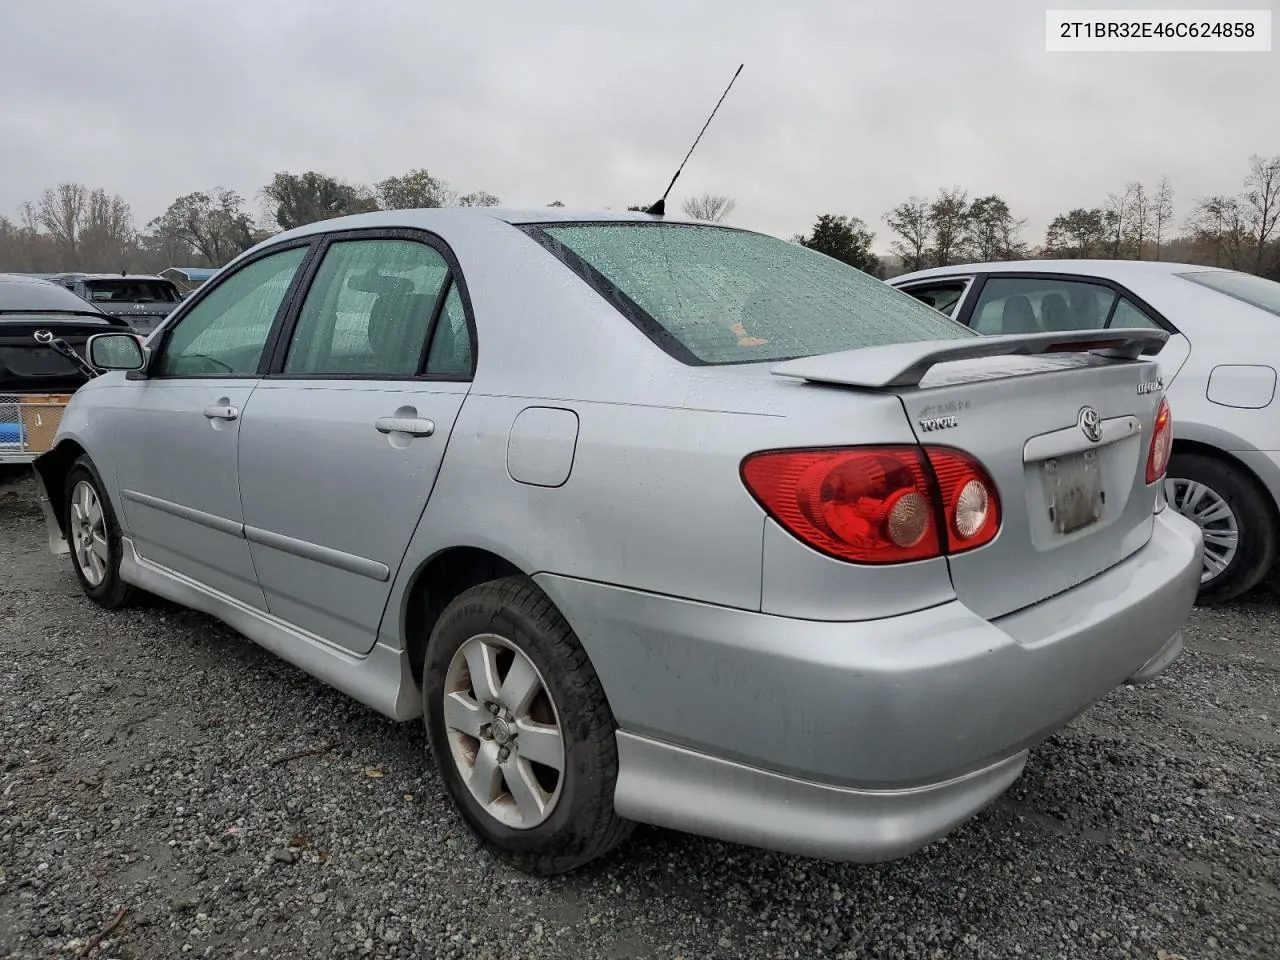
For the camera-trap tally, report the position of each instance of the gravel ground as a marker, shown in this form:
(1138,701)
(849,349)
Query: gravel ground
(156,768)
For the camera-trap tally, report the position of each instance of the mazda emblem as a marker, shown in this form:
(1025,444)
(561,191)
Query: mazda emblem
(1090,424)
(43,336)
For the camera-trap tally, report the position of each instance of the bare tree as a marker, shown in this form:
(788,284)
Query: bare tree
(1138,226)
(1218,229)
(910,221)
(61,211)
(107,235)
(948,222)
(709,206)
(1260,206)
(1116,215)
(1161,212)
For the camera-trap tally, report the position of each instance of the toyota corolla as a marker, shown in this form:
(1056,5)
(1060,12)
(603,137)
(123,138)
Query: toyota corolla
(650,520)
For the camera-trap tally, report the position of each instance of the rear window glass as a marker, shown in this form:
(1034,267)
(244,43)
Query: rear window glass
(132,291)
(714,295)
(1264,294)
(18,296)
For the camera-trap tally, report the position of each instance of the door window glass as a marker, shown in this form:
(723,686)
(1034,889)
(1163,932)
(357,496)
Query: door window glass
(368,310)
(451,344)
(225,333)
(1128,315)
(943,297)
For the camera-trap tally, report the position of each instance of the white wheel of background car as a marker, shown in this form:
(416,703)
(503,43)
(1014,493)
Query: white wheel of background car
(89,533)
(504,731)
(1217,521)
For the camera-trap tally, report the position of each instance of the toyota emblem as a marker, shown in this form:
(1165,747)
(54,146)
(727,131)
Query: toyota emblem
(1090,424)
(43,336)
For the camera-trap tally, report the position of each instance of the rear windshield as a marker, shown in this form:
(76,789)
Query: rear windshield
(132,291)
(1264,294)
(38,296)
(715,295)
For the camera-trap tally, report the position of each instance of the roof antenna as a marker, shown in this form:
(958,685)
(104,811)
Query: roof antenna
(660,208)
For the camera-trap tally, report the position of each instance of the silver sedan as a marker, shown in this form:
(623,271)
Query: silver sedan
(650,520)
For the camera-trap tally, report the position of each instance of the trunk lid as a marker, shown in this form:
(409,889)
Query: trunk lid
(1071,505)
(27,365)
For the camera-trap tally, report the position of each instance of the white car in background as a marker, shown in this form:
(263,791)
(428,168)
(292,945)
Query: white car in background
(1218,368)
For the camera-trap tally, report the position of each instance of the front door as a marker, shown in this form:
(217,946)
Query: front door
(342,442)
(178,489)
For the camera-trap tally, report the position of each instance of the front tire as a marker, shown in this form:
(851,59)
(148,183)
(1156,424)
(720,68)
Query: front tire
(520,729)
(1234,515)
(93,534)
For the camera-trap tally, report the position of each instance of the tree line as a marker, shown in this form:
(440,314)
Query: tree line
(1240,230)
(75,227)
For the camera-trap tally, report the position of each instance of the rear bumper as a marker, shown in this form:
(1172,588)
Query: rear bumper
(864,740)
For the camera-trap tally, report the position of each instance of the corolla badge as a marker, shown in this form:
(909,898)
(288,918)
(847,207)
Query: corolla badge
(43,336)
(1090,423)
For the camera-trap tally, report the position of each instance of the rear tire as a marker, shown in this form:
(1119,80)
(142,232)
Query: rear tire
(93,534)
(1236,517)
(497,750)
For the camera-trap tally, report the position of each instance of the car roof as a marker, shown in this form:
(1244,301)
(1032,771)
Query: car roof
(119,276)
(1118,270)
(49,291)
(444,218)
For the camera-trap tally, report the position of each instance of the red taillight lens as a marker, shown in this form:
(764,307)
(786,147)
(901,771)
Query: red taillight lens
(877,505)
(969,499)
(860,504)
(1161,443)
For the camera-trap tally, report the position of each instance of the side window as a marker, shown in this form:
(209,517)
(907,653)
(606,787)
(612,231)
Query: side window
(368,310)
(451,345)
(943,297)
(224,334)
(1039,305)
(1128,315)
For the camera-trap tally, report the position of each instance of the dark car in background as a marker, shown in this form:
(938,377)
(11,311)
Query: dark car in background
(36,380)
(143,300)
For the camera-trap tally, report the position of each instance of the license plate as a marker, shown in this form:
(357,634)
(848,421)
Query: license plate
(1074,488)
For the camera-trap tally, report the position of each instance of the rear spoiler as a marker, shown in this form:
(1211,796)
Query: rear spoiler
(905,364)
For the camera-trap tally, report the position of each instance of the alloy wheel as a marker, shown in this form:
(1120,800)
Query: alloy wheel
(504,731)
(89,533)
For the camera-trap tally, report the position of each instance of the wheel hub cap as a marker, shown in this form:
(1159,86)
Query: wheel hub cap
(501,732)
(1217,522)
(504,731)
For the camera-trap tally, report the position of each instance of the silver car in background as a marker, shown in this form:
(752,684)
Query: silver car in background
(652,520)
(1219,369)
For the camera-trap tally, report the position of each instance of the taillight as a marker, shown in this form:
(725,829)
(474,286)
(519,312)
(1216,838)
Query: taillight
(969,499)
(1161,443)
(877,504)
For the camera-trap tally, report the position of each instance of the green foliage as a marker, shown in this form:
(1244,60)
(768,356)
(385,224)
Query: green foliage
(301,198)
(846,239)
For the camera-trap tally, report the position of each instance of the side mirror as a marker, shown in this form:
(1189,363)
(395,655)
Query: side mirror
(116,351)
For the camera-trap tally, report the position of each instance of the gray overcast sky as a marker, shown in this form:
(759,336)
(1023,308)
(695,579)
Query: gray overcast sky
(842,107)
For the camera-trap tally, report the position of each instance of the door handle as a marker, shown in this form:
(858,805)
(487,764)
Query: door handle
(413,426)
(221,411)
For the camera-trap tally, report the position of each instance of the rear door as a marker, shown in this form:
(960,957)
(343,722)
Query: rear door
(341,444)
(180,426)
